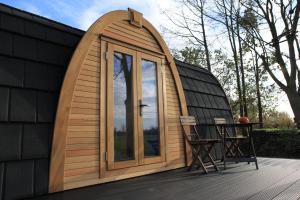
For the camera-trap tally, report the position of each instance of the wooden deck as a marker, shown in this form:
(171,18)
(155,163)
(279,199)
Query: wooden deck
(276,179)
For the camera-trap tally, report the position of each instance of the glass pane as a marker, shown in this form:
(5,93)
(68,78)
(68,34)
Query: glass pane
(150,111)
(123,108)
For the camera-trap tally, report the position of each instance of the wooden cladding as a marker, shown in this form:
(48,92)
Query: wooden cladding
(140,37)
(175,141)
(80,141)
(82,159)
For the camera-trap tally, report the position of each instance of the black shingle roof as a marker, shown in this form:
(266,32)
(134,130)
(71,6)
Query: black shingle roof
(203,92)
(34,55)
(205,98)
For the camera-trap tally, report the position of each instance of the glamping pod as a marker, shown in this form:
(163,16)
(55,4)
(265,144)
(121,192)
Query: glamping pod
(119,106)
(81,108)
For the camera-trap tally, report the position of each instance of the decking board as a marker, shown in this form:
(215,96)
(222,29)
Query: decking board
(276,179)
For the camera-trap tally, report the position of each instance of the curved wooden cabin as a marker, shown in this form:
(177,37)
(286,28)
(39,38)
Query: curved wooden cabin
(119,106)
(103,130)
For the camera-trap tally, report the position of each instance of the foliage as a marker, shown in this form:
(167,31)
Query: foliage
(277,131)
(191,55)
(279,49)
(261,48)
(278,120)
(278,143)
(223,69)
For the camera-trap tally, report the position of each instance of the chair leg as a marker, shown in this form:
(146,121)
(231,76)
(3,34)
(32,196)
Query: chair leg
(249,148)
(237,151)
(256,164)
(199,159)
(238,148)
(229,148)
(224,154)
(208,150)
(192,164)
(202,164)
(254,153)
(195,151)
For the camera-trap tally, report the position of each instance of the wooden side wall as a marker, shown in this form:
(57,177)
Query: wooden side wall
(174,138)
(82,144)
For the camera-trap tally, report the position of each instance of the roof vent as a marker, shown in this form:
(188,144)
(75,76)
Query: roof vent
(136,18)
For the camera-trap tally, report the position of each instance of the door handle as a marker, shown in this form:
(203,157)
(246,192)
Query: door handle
(142,106)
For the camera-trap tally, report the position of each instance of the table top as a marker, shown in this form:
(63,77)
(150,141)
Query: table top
(238,124)
(232,124)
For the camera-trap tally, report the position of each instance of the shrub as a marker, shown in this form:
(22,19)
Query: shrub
(283,143)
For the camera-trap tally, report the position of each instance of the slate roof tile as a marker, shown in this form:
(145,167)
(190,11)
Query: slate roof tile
(19,180)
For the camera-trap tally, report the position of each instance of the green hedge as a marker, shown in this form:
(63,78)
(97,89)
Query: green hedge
(278,143)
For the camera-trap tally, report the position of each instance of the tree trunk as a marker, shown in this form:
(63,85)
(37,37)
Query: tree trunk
(231,32)
(128,105)
(294,99)
(258,94)
(207,56)
(237,72)
(244,100)
(129,127)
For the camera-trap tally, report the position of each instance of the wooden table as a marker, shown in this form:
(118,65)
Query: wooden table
(237,156)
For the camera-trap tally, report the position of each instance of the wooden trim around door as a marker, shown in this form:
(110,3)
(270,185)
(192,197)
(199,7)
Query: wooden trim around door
(111,164)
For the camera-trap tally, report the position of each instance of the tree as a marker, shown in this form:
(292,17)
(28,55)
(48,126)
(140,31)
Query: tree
(257,72)
(191,26)
(223,67)
(277,119)
(265,30)
(281,51)
(249,22)
(280,18)
(229,14)
(192,55)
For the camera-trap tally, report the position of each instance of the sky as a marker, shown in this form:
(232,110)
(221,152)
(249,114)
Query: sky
(82,13)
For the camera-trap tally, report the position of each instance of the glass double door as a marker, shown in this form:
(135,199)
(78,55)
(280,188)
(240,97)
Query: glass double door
(135,113)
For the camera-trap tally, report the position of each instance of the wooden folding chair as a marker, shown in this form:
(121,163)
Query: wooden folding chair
(230,141)
(201,148)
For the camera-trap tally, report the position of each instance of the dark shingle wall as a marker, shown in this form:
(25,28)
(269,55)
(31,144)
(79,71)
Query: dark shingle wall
(34,54)
(205,99)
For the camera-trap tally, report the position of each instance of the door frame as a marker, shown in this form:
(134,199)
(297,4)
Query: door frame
(142,160)
(137,57)
(111,163)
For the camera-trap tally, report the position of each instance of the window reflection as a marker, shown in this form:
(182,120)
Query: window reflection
(123,106)
(150,112)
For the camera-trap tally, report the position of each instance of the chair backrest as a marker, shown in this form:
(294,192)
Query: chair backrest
(220,120)
(188,120)
(229,131)
(218,129)
(188,124)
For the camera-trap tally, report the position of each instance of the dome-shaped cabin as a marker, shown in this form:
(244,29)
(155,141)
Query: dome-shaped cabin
(120,98)
(119,106)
